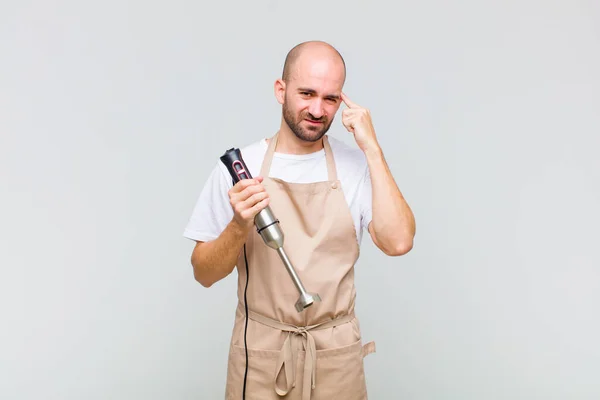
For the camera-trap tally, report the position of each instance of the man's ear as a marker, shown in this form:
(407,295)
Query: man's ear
(280,91)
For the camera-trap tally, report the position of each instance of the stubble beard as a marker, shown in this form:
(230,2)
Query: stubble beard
(311,134)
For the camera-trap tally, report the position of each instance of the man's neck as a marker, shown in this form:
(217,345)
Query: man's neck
(289,143)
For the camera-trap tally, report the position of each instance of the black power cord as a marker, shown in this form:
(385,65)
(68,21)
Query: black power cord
(246,327)
(237,168)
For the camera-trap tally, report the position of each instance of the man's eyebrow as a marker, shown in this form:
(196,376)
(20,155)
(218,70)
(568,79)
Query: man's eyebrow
(307,90)
(312,91)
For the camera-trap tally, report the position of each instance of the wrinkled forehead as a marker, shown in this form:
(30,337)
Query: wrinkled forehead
(320,74)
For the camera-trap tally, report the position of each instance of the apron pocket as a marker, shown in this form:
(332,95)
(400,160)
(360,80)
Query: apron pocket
(340,373)
(261,373)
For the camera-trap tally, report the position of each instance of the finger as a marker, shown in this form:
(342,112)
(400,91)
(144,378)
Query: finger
(241,205)
(258,207)
(350,112)
(255,198)
(246,193)
(243,184)
(349,102)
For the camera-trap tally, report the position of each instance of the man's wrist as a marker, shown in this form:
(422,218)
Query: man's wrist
(373,152)
(238,230)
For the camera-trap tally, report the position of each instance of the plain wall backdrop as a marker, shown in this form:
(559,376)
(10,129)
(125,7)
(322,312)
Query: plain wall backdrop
(112,115)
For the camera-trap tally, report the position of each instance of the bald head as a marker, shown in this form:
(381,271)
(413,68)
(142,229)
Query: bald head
(310,52)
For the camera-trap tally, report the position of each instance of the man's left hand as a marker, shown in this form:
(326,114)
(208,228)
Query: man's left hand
(357,120)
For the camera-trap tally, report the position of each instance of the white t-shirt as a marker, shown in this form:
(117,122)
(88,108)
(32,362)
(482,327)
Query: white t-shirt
(213,212)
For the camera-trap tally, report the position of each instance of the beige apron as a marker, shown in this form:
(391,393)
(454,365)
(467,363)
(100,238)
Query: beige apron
(316,354)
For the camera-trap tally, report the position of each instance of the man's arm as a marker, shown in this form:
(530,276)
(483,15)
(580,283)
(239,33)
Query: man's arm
(214,260)
(392,227)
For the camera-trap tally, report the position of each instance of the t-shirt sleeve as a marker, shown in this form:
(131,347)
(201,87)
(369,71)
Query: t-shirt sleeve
(366,200)
(212,211)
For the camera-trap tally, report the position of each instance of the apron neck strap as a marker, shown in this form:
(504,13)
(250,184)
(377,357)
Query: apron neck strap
(266,165)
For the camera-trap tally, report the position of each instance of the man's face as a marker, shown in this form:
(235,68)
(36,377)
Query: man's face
(312,97)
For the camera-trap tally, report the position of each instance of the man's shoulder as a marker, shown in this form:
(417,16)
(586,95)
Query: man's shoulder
(345,148)
(347,155)
(257,148)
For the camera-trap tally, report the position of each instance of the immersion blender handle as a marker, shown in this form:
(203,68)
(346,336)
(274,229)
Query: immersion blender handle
(235,165)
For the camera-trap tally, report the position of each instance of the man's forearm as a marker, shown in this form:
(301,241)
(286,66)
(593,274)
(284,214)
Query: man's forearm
(214,260)
(393,223)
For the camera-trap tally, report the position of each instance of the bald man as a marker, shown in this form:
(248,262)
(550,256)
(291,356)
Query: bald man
(325,194)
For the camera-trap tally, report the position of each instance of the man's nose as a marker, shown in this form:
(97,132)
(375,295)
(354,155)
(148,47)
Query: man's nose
(316,108)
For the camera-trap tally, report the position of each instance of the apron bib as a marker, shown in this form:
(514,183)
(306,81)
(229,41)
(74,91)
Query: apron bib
(316,354)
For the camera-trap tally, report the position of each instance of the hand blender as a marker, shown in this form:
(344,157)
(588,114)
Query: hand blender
(268,227)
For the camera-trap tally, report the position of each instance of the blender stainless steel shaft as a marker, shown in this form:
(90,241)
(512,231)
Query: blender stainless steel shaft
(268,228)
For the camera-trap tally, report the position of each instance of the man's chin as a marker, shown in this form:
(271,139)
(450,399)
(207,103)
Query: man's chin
(310,136)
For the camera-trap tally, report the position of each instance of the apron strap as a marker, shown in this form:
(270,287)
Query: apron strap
(288,357)
(331,170)
(368,348)
(266,164)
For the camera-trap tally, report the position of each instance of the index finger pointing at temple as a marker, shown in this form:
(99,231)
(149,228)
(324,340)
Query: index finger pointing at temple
(349,102)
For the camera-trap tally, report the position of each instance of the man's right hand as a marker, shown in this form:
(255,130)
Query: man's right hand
(247,198)
(214,260)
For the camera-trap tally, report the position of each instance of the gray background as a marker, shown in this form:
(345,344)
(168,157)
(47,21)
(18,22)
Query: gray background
(113,113)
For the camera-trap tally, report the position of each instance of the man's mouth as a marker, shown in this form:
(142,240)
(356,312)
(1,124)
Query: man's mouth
(314,122)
